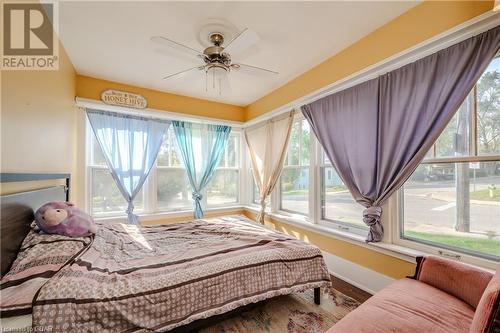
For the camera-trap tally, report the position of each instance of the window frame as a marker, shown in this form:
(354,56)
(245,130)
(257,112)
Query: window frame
(331,223)
(276,198)
(397,223)
(149,189)
(234,132)
(89,167)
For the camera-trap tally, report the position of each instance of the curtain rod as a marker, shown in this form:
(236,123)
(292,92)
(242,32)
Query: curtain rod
(152,113)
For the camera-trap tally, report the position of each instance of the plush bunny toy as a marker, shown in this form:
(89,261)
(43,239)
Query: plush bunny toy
(64,218)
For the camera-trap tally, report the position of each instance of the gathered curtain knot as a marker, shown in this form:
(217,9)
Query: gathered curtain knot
(371,215)
(263,204)
(130,208)
(197,196)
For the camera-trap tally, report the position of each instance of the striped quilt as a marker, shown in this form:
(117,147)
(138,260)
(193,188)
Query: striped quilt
(160,277)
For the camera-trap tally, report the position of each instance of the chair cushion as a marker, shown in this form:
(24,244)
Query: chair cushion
(458,279)
(487,316)
(408,305)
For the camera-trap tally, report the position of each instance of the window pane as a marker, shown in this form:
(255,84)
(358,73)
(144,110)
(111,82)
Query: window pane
(256,196)
(294,145)
(168,154)
(295,190)
(97,156)
(455,205)
(337,202)
(106,198)
(455,139)
(304,143)
(173,192)
(230,158)
(488,110)
(223,188)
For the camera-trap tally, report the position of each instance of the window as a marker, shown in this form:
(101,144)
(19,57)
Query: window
(255,192)
(337,203)
(167,188)
(294,182)
(452,200)
(256,196)
(173,191)
(224,187)
(105,197)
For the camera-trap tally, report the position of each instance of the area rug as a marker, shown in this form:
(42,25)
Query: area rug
(294,313)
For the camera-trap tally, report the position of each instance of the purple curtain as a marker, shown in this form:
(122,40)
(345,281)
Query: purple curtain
(376,133)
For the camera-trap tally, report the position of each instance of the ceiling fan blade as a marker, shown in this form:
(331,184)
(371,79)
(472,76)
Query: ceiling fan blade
(177,46)
(252,69)
(242,42)
(183,73)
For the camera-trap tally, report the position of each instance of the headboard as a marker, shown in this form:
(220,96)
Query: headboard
(17,210)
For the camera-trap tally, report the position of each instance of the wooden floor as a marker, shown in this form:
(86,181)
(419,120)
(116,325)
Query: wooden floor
(350,290)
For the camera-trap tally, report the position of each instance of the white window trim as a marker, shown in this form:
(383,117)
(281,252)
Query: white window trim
(397,215)
(150,209)
(395,221)
(310,216)
(240,168)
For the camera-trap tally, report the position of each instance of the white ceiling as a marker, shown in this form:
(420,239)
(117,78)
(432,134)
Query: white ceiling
(111,40)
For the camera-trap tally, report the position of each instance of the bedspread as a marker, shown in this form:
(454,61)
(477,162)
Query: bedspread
(157,278)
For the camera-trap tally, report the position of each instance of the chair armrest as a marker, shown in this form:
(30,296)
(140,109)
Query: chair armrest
(463,281)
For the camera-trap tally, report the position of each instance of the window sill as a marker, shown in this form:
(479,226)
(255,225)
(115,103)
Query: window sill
(188,214)
(393,250)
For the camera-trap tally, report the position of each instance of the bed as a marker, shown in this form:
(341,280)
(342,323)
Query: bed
(129,278)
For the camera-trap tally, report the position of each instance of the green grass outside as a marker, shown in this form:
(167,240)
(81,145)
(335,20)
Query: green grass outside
(335,189)
(489,246)
(296,192)
(484,195)
(332,189)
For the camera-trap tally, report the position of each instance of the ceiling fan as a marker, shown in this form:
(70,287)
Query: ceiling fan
(216,59)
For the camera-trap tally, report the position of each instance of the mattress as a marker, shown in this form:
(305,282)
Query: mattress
(157,278)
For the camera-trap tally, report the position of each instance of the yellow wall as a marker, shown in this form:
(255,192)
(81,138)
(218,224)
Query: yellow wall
(92,88)
(420,23)
(38,122)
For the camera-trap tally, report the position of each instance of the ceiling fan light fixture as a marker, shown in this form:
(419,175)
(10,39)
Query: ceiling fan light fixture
(217,57)
(216,72)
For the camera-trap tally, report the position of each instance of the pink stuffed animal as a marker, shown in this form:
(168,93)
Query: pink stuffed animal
(64,218)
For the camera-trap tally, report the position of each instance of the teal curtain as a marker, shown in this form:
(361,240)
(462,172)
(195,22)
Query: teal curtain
(201,147)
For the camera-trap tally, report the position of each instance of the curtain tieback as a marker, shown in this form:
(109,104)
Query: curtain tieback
(262,212)
(197,196)
(371,215)
(130,208)
(263,205)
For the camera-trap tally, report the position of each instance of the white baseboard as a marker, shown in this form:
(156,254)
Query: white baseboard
(359,276)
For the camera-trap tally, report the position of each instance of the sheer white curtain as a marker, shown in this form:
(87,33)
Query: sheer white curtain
(130,145)
(267,144)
